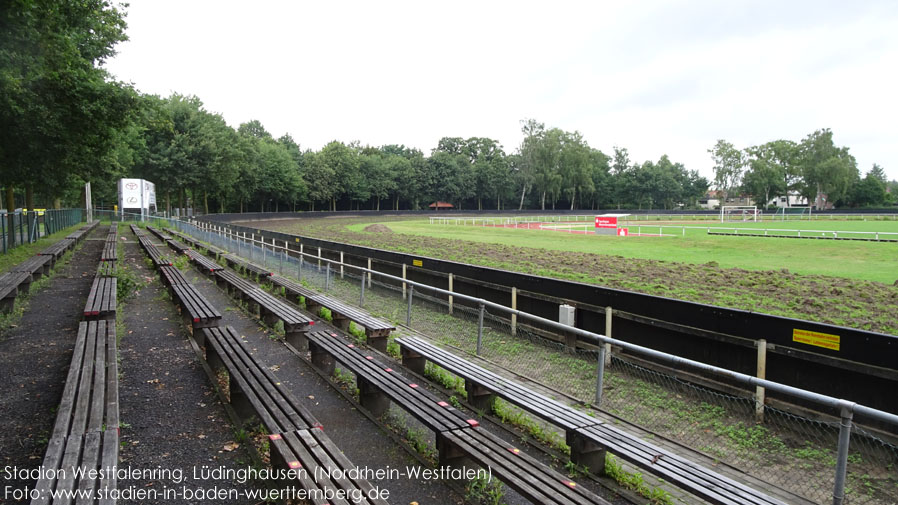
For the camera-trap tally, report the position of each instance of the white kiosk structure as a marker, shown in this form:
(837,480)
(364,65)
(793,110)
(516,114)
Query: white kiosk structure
(137,196)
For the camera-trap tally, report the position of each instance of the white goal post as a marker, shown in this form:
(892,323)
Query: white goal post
(730,213)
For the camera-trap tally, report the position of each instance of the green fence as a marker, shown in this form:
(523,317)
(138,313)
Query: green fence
(23,227)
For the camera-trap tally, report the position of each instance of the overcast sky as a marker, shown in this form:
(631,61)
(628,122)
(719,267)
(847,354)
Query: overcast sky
(655,77)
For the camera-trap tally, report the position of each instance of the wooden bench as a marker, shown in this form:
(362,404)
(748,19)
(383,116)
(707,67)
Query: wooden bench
(519,471)
(136,230)
(308,450)
(255,392)
(90,397)
(109,249)
(93,453)
(177,246)
(86,432)
(101,299)
(237,262)
(205,264)
(234,285)
(482,385)
(210,249)
(689,476)
(297,441)
(587,437)
(37,266)
(196,310)
(153,252)
(162,236)
(458,438)
(270,308)
(379,384)
(10,284)
(376,330)
(58,249)
(106,269)
(171,276)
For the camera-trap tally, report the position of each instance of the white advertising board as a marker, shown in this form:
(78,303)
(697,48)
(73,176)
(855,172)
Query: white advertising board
(129,193)
(136,195)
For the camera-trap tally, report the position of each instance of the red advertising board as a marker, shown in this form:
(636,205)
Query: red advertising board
(606,222)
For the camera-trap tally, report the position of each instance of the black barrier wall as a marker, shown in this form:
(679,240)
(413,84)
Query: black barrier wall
(863,368)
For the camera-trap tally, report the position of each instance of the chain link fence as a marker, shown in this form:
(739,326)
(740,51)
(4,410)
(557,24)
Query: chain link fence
(791,451)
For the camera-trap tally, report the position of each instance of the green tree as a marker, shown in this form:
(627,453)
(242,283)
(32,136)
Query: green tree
(728,167)
(60,112)
(765,176)
(871,191)
(827,171)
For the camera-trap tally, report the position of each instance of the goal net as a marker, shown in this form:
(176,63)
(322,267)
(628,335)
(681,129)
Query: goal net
(790,213)
(730,213)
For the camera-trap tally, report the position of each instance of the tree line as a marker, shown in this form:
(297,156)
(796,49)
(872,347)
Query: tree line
(65,121)
(814,167)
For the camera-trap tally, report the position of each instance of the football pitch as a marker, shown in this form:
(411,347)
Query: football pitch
(689,242)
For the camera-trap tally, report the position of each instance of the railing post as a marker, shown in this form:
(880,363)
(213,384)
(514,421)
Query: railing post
(451,278)
(369,273)
(842,455)
(514,306)
(760,392)
(609,314)
(408,314)
(480,329)
(327,277)
(319,259)
(600,374)
(404,268)
(341,264)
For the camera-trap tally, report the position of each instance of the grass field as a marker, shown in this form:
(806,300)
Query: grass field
(855,260)
(838,282)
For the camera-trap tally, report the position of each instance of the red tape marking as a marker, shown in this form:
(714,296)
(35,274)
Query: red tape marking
(442,404)
(388,370)
(294,464)
(514,450)
(473,422)
(412,385)
(274,437)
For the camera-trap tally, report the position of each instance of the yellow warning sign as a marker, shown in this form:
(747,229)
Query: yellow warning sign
(417,263)
(818,339)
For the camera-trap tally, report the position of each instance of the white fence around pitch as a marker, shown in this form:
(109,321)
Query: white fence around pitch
(770,216)
(660,230)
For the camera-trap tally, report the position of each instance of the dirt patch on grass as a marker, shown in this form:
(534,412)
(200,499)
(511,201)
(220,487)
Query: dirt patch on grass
(378,228)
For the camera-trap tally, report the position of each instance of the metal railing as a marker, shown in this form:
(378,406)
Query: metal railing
(503,336)
(27,227)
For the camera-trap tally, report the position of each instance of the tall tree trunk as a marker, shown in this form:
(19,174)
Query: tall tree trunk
(523,192)
(29,197)
(168,203)
(479,203)
(543,201)
(205,202)
(378,203)
(573,198)
(181,202)
(11,215)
